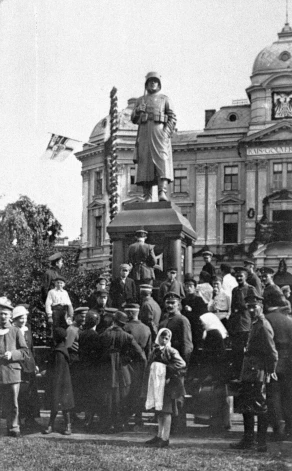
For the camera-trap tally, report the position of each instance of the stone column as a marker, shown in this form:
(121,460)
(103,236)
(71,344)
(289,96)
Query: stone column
(118,256)
(251,201)
(189,257)
(200,198)
(174,256)
(85,202)
(211,204)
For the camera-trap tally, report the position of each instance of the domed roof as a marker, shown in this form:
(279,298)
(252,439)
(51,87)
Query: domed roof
(102,128)
(278,56)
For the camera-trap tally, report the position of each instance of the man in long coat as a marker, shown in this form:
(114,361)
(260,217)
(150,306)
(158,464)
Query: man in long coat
(142,258)
(156,119)
(13,350)
(116,350)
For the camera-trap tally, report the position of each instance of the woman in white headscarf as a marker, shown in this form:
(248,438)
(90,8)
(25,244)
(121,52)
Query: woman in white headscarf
(165,386)
(214,366)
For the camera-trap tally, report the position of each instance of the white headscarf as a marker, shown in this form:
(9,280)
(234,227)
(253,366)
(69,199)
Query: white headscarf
(211,322)
(159,334)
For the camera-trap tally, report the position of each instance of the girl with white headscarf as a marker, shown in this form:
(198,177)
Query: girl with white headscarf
(165,385)
(214,367)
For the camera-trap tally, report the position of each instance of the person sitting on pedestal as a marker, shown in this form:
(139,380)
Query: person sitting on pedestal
(208,267)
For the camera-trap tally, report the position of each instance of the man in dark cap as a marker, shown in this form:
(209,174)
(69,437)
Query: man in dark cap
(123,288)
(171,284)
(208,267)
(193,307)
(272,294)
(58,305)
(179,325)
(239,322)
(142,259)
(252,278)
(56,261)
(142,335)
(279,392)
(154,114)
(150,312)
(260,360)
(13,350)
(101,285)
(116,351)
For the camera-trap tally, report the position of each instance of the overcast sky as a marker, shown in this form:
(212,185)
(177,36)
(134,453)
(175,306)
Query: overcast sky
(59,60)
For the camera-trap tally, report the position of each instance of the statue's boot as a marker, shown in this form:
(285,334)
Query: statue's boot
(147,193)
(162,189)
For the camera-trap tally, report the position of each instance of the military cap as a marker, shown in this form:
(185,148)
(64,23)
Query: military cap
(285,288)
(171,295)
(141,231)
(146,287)
(59,278)
(19,311)
(125,265)
(253,298)
(80,309)
(174,269)
(239,269)
(207,252)
(248,261)
(266,271)
(110,310)
(153,75)
(189,278)
(120,317)
(102,292)
(132,307)
(101,277)
(55,257)
(5,302)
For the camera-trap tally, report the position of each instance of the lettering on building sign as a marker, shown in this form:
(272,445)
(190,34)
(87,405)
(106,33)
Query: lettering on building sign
(269,150)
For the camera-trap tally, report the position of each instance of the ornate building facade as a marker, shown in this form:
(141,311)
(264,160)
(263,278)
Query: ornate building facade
(233,180)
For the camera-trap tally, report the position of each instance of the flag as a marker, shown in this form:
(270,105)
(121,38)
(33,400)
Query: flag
(59,148)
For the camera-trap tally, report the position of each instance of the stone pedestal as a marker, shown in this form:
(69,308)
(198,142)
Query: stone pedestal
(168,230)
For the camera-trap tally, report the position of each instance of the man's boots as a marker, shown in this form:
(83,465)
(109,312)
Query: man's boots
(162,189)
(67,418)
(248,438)
(147,192)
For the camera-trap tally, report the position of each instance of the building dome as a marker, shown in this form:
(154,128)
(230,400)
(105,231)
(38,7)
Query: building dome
(278,56)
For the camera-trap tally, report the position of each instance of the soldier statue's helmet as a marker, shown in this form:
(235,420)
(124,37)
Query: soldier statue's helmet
(153,75)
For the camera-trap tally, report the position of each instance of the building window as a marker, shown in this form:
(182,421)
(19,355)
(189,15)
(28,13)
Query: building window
(277,176)
(180,180)
(133,186)
(230,228)
(98,231)
(98,183)
(289,176)
(231,178)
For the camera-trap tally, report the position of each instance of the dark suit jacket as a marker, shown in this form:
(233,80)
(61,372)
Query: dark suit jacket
(122,293)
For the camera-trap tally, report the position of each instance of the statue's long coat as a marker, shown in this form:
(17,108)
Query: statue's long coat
(153,152)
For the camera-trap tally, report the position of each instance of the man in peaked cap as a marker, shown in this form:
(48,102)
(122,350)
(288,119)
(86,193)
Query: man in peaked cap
(272,294)
(260,359)
(156,119)
(142,259)
(170,284)
(13,350)
(252,278)
(56,262)
(208,267)
(117,349)
(150,311)
(239,322)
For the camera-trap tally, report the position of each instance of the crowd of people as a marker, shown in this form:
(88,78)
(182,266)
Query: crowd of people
(136,347)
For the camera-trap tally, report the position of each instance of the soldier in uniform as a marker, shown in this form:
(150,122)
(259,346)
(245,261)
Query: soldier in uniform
(239,322)
(252,278)
(259,362)
(150,312)
(142,259)
(208,267)
(272,294)
(156,119)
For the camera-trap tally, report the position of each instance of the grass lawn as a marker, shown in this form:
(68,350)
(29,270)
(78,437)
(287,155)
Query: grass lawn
(29,454)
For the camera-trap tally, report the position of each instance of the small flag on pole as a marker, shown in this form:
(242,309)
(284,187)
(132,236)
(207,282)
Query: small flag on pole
(59,148)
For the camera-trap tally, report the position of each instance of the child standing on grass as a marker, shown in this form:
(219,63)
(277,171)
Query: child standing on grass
(59,383)
(165,385)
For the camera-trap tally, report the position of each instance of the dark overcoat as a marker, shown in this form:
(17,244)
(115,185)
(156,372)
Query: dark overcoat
(10,370)
(282,327)
(121,293)
(59,380)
